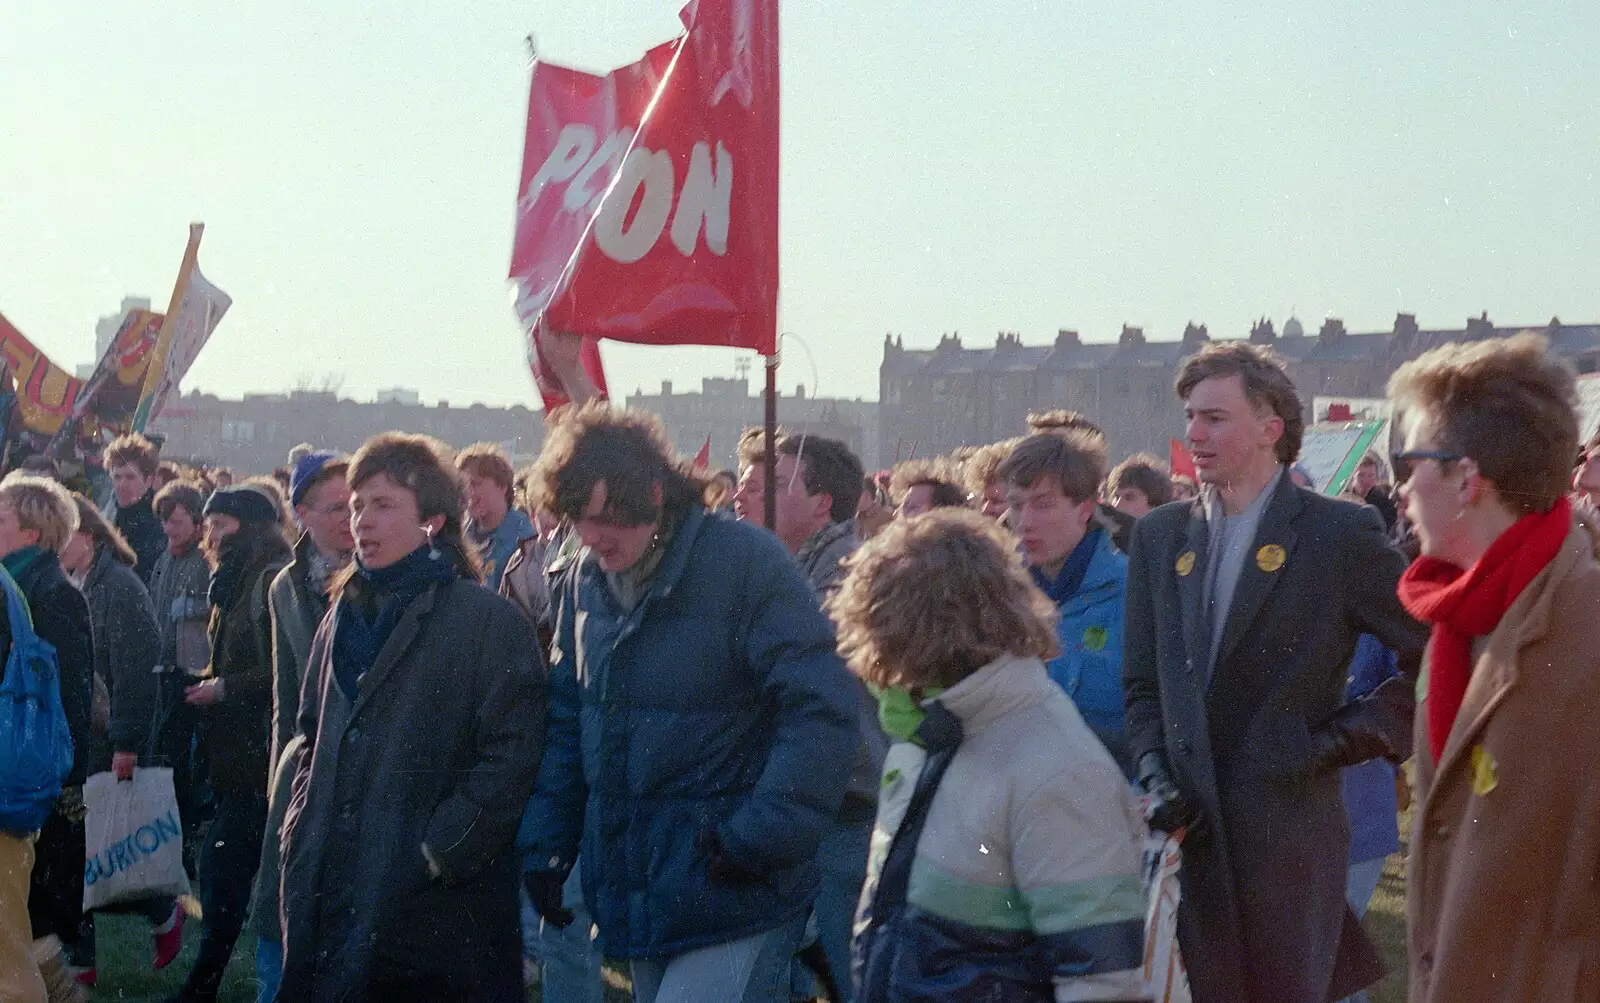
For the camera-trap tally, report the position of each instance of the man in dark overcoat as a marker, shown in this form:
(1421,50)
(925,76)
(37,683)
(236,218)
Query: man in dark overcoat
(1243,612)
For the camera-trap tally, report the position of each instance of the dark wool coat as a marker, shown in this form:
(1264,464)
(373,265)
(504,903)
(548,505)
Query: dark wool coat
(141,527)
(61,616)
(440,747)
(238,730)
(296,613)
(1263,915)
(127,648)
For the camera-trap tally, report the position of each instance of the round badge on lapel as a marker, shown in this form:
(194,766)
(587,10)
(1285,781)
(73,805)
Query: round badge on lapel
(1185,563)
(1271,557)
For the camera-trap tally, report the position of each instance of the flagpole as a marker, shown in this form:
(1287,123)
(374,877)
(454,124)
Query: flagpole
(158,355)
(769,470)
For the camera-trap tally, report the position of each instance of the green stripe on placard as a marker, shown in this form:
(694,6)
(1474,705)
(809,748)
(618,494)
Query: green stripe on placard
(1369,432)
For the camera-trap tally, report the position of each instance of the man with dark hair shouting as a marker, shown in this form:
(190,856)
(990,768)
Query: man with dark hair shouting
(1243,612)
(701,725)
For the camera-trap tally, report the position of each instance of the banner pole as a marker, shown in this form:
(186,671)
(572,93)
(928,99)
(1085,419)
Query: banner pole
(769,468)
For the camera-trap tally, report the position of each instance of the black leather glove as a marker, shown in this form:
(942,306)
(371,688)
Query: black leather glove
(1169,809)
(544,891)
(720,868)
(1347,740)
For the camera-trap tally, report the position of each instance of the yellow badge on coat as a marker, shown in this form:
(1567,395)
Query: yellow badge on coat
(1485,771)
(1185,563)
(1271,557)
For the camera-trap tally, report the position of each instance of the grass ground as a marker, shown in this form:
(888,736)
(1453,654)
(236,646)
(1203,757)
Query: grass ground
(123,946)
(1386,921)
(125,975)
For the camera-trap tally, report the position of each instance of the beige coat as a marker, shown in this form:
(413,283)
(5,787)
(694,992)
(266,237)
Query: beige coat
(1504,884)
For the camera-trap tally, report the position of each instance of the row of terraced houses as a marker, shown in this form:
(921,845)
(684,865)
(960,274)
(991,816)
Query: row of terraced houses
(934,400)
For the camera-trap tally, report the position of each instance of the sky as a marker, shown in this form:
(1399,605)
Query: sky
(953,166)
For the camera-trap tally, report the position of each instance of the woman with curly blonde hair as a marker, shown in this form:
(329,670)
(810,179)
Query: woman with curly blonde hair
(1006,857)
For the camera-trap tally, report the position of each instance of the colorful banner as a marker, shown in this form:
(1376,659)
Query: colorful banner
(111,397)
(196,309)
(1330,450)
(45,391)
(648,205)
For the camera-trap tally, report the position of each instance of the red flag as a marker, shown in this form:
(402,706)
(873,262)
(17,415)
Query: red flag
(648,206)
(702,459)
(1179,460)
(550,388)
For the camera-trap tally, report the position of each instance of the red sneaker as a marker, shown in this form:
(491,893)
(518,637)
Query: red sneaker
(84,977)
(168,939)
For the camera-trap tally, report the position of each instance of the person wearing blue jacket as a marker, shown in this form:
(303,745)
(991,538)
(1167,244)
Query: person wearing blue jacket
(1052,484)
(701,725)
(1371,799)
(494,524)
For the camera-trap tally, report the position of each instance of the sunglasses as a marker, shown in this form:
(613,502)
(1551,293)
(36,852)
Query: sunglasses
(1404,463)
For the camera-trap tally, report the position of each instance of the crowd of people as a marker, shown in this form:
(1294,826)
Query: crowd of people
(439,728)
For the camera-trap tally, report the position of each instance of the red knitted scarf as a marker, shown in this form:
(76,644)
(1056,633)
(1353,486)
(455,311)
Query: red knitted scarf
(1462,605)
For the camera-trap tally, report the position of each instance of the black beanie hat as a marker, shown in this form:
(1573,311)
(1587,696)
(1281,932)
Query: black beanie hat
(247,504)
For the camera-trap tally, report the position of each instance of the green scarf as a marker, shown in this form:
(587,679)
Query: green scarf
(900,713)
(19,561)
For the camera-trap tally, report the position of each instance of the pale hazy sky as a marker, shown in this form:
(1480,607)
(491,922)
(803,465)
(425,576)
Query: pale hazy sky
(948,165)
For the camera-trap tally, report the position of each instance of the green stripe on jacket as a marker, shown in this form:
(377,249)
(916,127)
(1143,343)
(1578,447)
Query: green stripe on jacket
(1050,909)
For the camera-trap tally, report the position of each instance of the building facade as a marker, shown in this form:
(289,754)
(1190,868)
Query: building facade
(935,400)
(724,408)
(254,435)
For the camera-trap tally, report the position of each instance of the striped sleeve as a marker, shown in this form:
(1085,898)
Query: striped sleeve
(1076,845)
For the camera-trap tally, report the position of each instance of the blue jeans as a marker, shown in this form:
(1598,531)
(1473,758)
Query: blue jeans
(842,859)
(755,968)
(571,959)
(269,969)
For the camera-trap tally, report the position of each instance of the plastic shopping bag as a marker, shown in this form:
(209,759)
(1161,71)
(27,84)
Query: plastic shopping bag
(1163,962)
(134,845)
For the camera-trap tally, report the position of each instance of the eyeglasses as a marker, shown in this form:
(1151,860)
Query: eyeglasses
(1405,462)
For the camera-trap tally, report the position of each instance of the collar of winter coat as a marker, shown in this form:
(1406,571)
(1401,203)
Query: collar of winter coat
(514,528)
(311,570)
(1070,578)
(146,505)
(1528,618)
(1209,500)
(1106,574)
(103,559)
(1008,684)
(242,557)
(820,555)
(673,558)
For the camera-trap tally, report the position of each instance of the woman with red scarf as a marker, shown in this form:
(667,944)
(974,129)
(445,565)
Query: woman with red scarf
(1504,884)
